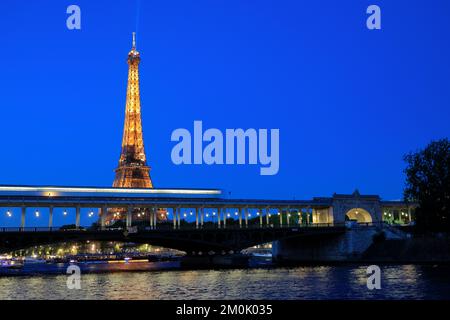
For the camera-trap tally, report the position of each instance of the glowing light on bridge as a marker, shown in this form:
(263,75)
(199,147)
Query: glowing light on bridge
(54,191)
(37,214)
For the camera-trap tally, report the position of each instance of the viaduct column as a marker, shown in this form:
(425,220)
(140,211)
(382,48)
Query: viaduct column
(196,218)
(22,219)
(153,215)
(202,216)
(218,217)
(77,218)
(129,216)
(50,217)
(224,217)
(260,217)
(240,217)
(267,216)
(246,216)
(307,215)
(150,217)
(409,214)
(174,218)
(280,213)
(288,215)
(178,209)
(103,218)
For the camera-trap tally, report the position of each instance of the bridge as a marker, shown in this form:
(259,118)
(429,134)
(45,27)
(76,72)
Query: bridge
(191,220)
(190,240)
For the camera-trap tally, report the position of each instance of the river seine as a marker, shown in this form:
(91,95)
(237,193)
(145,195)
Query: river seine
(167,281)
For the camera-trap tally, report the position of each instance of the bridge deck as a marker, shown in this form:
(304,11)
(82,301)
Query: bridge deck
(186,239)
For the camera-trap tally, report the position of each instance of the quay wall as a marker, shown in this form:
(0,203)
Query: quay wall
(364,245)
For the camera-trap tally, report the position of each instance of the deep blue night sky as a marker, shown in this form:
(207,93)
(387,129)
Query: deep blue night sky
(349,102)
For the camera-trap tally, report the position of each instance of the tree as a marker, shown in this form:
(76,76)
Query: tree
(428,183)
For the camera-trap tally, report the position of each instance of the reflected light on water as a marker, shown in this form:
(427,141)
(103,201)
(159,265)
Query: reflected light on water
(327,282)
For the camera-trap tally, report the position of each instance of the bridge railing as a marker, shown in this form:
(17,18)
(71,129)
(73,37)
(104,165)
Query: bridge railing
(34,229)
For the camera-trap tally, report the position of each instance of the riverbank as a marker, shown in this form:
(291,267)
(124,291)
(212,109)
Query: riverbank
(417,250)
(365,245)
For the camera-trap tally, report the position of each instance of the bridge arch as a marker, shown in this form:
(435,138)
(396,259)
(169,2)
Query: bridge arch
(187,240)
(360,215)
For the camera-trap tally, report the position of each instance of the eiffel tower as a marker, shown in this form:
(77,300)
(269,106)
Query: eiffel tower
(133,171)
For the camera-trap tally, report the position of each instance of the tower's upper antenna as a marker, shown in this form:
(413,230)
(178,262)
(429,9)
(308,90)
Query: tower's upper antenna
(134,40)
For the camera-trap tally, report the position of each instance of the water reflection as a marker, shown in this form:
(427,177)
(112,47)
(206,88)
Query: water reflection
(319,282)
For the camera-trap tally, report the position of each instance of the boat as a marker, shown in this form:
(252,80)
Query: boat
(33,260)
(11,264)
(262,255)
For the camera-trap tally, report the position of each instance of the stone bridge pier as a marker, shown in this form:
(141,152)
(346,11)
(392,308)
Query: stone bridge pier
(369,211)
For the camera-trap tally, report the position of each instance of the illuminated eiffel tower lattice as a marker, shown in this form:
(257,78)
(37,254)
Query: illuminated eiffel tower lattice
(133,171)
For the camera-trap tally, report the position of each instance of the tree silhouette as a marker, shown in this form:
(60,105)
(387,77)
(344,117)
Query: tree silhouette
(428,183)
